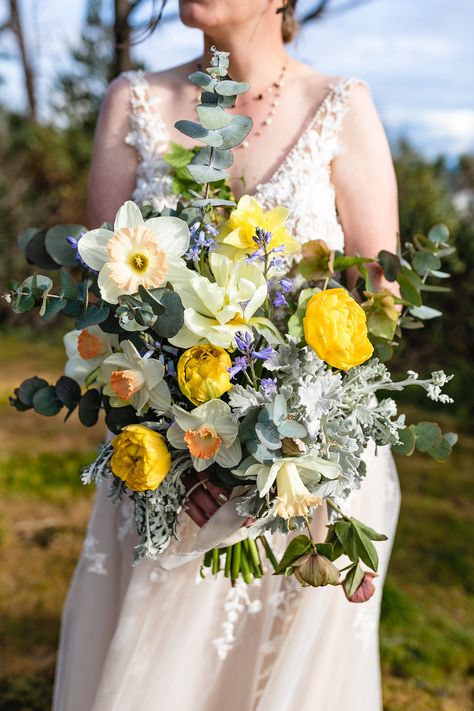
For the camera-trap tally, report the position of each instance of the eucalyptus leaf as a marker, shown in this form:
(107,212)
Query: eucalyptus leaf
(46,402)
(428,435)
(169,322)
(213,117)
(439,234)
(424,312)
(441,451)
(68,392)
(406,445)
(26,391)
(59,248)
(227,87)
(424,262)
(215,157)
(37,254)
(89,407)
(236,132)
(196,131)
(205,173)
(202,79)
(67,287)
(51,306)
(390,264)
(95,314)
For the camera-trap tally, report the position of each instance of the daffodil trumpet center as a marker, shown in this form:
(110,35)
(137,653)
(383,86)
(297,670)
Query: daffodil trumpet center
(125,383)
(293,498)
(89,345)
(139,262)
(135,257)
(203,443)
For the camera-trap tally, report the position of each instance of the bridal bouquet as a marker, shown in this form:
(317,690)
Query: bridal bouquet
(216,345)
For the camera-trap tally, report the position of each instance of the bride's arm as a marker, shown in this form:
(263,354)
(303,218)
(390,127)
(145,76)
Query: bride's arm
(365,183)
(113,168)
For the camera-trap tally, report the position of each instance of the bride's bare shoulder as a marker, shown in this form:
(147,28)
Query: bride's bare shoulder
(161,84)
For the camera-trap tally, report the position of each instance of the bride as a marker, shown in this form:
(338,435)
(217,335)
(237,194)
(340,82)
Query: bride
(142,638)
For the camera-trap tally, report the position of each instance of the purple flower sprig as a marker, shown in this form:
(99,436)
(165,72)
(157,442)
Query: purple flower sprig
(202,235)
(250,354)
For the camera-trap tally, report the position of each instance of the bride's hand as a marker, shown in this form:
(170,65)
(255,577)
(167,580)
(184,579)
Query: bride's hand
(205,498)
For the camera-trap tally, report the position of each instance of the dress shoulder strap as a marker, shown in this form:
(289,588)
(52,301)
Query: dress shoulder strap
(148,134)
(329,119)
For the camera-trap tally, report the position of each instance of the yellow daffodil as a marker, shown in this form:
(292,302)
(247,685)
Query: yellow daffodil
(203,373)
(239,230)
(141,458)
(136,253)
(335,327)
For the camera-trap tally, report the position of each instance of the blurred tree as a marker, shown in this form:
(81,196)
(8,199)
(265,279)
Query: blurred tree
(14,24)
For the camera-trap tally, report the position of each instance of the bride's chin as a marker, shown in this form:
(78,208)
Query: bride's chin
(200,14)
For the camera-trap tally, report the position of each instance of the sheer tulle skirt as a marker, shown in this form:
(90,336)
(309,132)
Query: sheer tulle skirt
(146,638)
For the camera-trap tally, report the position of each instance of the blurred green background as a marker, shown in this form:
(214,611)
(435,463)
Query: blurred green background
(427,637)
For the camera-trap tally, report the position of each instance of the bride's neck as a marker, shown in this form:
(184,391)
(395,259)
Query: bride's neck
(254,60)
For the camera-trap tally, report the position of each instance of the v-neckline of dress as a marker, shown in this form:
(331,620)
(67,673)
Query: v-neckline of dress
(272,174)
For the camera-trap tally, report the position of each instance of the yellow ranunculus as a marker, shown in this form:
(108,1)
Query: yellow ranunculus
(203,373)
(239,230)
(141,458)
(335,327)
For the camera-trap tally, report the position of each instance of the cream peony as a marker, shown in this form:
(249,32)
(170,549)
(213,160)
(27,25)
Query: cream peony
(216,310)
(137,252)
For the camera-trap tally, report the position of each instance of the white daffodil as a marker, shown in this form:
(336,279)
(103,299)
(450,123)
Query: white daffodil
(132,380)
(86,350)
(209,432)
(216,310)
(291,475)
(137,252)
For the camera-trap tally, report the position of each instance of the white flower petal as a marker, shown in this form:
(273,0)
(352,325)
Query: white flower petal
(129,215)
(265,479)
(78,369)
(173,234)
(175,437)
(109,291)
(201,464)
(160,398)
(153,371)
(92,247)
(185,339)
(229,456)
(139,400)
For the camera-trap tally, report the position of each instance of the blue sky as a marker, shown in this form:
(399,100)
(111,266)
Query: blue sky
(417,56)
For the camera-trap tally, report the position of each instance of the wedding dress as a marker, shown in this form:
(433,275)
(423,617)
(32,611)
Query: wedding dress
(149,639)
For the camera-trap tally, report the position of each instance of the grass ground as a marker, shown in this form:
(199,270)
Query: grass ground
(427,633)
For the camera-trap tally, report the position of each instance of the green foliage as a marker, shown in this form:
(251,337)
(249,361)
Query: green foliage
(216,128)
(426,437)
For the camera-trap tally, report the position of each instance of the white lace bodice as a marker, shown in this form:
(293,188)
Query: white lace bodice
(302,182)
